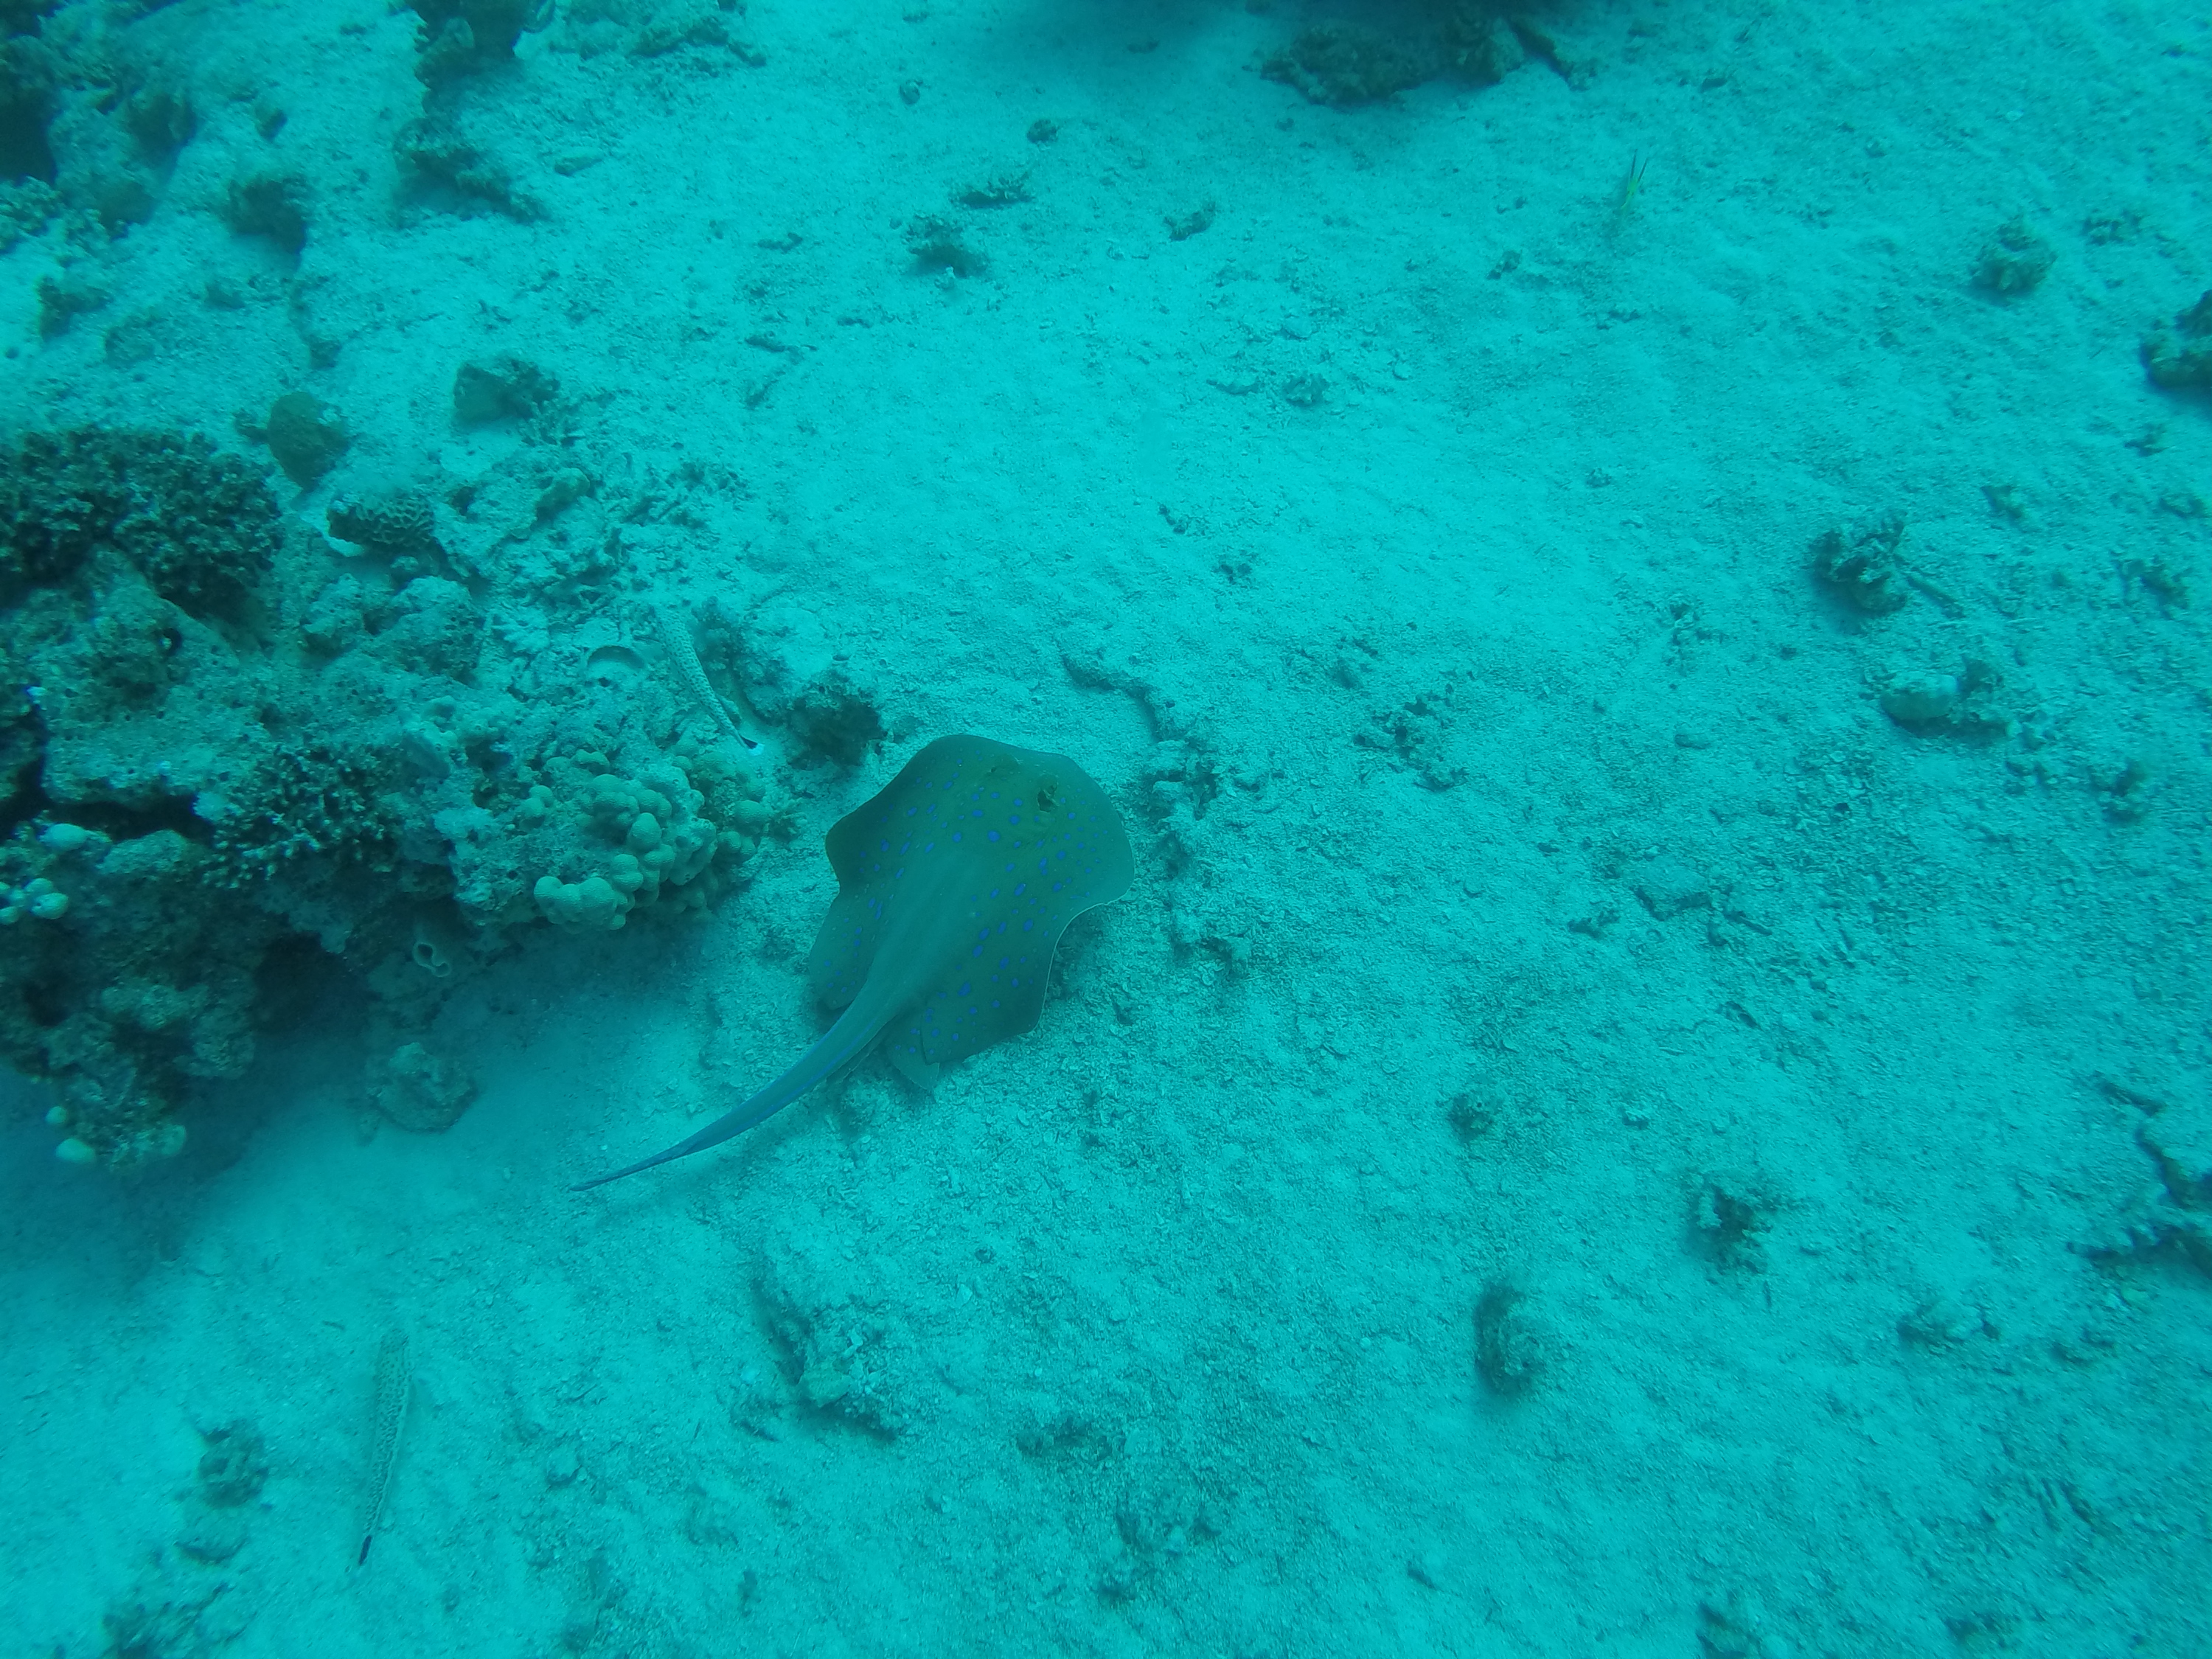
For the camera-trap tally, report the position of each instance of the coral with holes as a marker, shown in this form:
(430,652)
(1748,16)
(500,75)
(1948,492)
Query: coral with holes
(224,742)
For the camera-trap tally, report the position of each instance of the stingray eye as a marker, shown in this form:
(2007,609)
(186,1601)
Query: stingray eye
(1048,795)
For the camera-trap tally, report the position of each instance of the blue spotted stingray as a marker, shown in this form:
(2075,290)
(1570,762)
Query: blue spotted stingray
(954,886)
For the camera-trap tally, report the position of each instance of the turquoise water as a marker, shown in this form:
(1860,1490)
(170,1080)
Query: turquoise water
(1634,573)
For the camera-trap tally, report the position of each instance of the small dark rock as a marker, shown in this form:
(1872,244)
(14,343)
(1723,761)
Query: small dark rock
(1860,567)
(305,437)
(1668,888)
(500,388)
(2014,260)
(435,628)
(1509,1350)
(271,204)
(1345,66)
(422,1093)
(462,34)
(446,170)
(1181,228)
(2180,358)
(1070,1439)
(1001,189)
(836,718)
(63,299)
(162,119)
(234,1467)
(1470,1119)
(1728,1224)
(1921,700)
(213,1539)
(1937,1323)
(936,245)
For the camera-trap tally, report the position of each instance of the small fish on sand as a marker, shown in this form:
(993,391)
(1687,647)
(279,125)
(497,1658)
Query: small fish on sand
(395,1382)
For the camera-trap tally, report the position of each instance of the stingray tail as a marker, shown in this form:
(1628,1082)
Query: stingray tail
(838,1047)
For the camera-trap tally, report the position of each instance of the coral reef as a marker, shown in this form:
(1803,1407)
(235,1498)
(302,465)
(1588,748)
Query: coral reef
(200,529)
(226,742)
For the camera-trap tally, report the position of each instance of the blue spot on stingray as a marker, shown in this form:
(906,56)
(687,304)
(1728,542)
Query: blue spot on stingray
(995,835)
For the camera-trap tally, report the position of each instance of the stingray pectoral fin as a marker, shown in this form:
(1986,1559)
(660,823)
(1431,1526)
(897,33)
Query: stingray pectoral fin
(839,1046)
